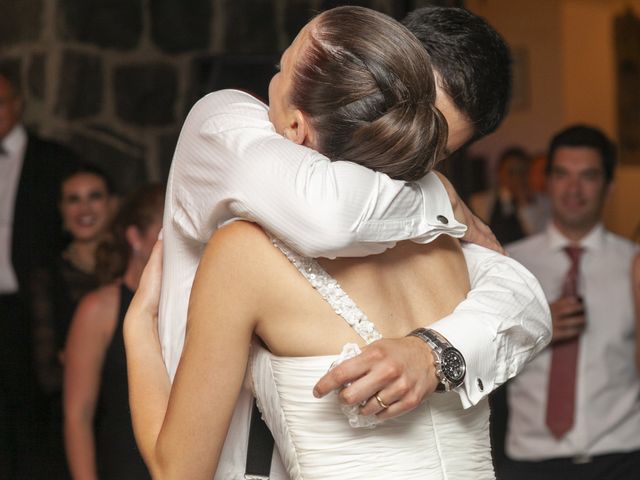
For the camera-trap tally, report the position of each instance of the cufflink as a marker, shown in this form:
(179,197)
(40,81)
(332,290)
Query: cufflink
(442,219)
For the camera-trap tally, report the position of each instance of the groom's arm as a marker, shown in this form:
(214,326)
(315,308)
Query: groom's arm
(501,325)
(229,163)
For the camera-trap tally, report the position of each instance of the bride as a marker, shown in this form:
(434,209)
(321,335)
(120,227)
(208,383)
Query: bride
(354,85)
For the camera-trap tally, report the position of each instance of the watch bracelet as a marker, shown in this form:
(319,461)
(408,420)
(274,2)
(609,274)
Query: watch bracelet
(434,340)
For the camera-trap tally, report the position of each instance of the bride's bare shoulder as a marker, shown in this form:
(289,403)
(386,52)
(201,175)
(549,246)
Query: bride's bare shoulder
(242,246)
(240,235)
(243,267)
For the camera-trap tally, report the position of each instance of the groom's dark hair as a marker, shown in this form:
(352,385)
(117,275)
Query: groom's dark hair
(472,59)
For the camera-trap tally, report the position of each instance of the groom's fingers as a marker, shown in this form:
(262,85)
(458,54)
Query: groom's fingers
(361,376)
(479,233)
(341,375)
(381,373)
(400,371)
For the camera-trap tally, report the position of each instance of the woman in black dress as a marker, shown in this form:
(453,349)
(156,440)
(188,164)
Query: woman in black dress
(98,435)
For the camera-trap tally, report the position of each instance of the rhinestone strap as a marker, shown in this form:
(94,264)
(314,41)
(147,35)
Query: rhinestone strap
(331,292)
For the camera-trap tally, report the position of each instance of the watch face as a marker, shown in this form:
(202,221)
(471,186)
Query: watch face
(452,365)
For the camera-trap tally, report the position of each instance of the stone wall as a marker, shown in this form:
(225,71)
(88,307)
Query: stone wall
(114,79)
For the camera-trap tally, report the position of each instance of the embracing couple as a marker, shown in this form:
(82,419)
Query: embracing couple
(369,336)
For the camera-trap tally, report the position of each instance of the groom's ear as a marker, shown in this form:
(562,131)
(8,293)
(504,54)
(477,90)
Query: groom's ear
(300,130)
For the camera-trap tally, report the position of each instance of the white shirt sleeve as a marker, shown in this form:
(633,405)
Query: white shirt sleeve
(230,163)
(501,325)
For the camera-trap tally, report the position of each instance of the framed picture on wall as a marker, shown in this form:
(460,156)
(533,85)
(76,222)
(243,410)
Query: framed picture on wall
(627,51)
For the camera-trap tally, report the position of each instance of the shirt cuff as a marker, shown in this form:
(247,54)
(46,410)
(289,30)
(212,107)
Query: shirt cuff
(435,218)
(438,215)
(478,347)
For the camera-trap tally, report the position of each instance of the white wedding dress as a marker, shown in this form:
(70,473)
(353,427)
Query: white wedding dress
(437,440)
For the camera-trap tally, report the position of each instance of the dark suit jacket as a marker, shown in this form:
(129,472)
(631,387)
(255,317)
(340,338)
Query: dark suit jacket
(37,226)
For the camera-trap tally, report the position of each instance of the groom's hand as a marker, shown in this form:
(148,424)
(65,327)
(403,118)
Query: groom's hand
(400,372)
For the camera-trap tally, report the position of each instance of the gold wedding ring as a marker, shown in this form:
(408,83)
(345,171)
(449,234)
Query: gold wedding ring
(382,404)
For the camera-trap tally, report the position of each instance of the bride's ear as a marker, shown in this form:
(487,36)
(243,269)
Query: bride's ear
(300,130)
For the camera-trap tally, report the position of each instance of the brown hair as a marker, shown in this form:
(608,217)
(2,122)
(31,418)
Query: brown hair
(367,85)
(140,209)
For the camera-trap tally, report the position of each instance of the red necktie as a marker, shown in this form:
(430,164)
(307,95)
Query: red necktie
(561,397)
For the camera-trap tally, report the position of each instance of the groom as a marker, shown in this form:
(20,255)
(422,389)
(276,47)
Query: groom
(473,94)
(297,200)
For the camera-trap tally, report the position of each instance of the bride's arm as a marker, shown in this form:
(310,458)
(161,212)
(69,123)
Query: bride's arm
(149,385)
(181,429)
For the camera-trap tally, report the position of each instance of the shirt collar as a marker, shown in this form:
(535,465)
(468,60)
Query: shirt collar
(15,140)
(594,240)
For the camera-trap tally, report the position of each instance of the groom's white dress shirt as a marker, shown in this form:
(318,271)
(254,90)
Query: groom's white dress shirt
(229,163)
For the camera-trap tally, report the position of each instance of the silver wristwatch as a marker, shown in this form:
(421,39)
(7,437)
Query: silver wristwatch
(450,364)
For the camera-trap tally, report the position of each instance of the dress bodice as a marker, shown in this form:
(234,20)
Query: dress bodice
(437,440)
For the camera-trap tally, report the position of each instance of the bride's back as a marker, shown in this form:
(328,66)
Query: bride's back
(406,287)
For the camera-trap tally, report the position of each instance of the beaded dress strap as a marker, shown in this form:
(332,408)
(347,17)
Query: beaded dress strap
(331,291)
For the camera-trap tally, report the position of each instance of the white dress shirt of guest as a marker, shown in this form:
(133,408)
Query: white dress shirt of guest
(607,415)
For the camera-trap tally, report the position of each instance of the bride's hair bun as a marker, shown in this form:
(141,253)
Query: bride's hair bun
(367,85)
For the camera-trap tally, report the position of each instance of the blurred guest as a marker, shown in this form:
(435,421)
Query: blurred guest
(30,174)
(86,202)
(538,175)
(512,210)
(98,433)
(575,409)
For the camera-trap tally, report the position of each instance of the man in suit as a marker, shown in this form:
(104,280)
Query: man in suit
(30,234)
